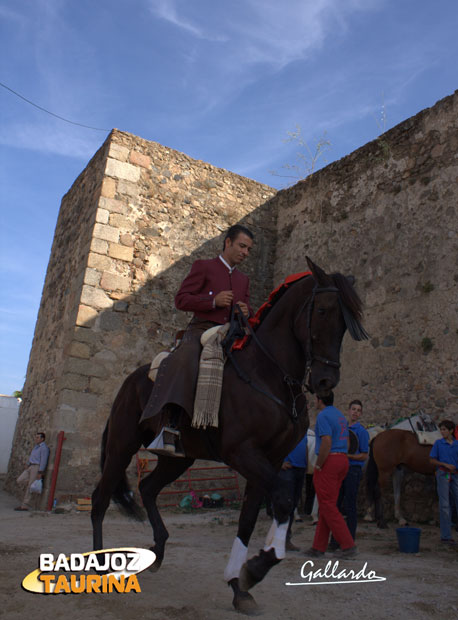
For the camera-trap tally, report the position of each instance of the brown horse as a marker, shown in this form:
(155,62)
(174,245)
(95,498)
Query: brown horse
(389,451)
(263,415)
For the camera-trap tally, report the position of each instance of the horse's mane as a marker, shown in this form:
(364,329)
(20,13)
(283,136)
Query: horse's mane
(352,306)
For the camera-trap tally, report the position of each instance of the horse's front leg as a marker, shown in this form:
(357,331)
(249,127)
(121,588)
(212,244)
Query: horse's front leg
(243,601)
(255,569)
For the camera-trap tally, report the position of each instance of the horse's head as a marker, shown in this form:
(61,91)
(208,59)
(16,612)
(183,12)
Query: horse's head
(331,306)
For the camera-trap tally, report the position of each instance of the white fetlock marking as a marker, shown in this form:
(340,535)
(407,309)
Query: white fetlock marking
(271,534)
(239,554)
(277,541)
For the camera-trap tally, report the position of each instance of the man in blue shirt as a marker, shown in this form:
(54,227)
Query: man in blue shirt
(292,473)
(331,436)
(444,455)
(348,495)
(38,461)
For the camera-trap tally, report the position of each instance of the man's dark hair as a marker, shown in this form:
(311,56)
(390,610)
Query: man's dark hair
(234,232)
(355,402)
(42,435)
(448,424)
(327,400)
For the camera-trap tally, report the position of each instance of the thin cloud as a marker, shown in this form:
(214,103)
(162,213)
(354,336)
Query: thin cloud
(8,13)
(263,31)
(168,11)
(51,138)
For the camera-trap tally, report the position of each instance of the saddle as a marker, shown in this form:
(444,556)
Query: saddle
(423,426)
(152,373)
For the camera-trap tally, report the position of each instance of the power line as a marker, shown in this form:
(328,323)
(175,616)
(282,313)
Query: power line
(51,113)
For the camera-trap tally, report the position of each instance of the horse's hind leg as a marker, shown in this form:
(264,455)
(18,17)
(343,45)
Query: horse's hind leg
(113,473)
(381,490)
(167,470)
(398,476)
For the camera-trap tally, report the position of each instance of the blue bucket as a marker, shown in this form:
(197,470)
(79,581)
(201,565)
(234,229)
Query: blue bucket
(408,539)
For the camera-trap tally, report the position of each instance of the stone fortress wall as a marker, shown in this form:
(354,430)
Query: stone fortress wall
(387,214)
(140,214)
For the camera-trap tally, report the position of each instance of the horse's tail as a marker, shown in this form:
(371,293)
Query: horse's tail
(371,475)
(122,494)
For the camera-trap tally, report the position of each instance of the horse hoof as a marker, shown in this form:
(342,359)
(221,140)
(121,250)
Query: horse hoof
(402,522)
(245,604)
(156,565)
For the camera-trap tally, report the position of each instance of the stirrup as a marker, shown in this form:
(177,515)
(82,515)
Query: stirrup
(167,443)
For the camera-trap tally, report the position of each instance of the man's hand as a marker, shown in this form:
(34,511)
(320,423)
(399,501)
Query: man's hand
(244,308)
(224,299)
(286,465)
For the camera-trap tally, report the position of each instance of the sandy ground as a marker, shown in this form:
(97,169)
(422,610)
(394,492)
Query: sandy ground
(190,583)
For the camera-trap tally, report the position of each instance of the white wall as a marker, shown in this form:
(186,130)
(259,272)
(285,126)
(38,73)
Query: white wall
(9,408)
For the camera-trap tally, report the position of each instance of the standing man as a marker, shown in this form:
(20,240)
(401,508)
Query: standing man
(348,496)
(210,290)
(331,437)
(38,461)
(292,473)
(444,455)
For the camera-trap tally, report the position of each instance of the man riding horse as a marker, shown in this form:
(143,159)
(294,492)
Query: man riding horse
(210,290)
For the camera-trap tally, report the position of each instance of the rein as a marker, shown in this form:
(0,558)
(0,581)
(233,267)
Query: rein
(287,378)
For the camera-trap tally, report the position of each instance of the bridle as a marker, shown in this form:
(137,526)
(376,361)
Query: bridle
(290,381)
(309,356)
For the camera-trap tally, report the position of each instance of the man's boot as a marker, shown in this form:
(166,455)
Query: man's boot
(168,441)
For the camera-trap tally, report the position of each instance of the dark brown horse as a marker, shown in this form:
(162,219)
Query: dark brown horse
(390,451)
(262,417)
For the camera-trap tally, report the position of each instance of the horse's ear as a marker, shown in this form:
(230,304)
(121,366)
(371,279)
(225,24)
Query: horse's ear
(319,275)
(351,279)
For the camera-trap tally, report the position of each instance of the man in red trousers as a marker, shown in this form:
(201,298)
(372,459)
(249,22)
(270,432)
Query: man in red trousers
(331,437)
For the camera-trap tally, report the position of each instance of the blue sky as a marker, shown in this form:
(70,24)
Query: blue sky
(223,81)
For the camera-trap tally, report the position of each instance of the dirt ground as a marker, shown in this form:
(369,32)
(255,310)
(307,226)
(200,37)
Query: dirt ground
(190,583)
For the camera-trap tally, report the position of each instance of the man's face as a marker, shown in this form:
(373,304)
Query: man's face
(446,434)
(355,412)
(38,438)
(236,251)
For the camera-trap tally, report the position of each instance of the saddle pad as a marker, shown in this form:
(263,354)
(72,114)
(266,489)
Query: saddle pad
(374,431)
(427,438)
(210,379)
